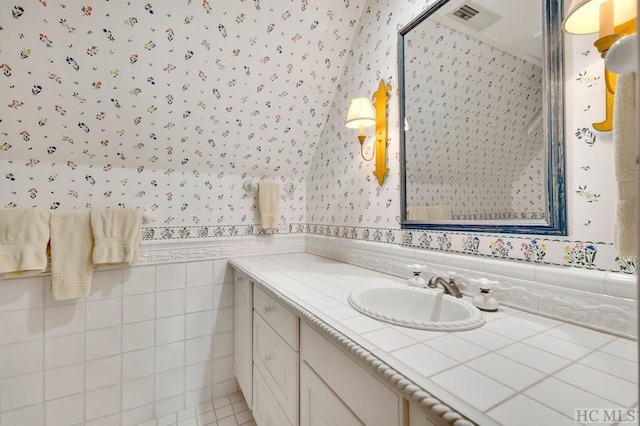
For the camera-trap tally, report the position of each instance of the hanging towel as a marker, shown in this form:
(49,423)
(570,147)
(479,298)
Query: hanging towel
(24,234)
(417,213)
(625,156)
(268,202)
(71,245)
(116,234)
(439,212)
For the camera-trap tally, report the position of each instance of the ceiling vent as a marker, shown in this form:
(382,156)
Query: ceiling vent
(465,12)
(474,16)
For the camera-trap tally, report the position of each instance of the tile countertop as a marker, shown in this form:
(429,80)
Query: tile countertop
(517,369)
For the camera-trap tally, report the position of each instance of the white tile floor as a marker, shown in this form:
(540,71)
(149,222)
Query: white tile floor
(229,410)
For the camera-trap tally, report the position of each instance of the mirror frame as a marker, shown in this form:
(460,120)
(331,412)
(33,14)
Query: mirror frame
(554,132)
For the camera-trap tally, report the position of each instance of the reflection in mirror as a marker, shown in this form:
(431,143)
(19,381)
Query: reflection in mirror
(481,103)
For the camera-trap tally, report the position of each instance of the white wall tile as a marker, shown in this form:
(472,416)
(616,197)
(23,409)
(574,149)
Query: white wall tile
(63,381)
(169,383)
(32,415)
(222,320)
(106,284)
(113,420)
(222,272)
(200,273)
(138,415)
(20,326)
(105,342)
(65,411)
(223,344)
(170,303)
(20,391)
(103,372)
(138,364)
(198,396)
(139,308)
(169,405)
(169,330)
(24,293)
(137,393)
(102,402)
(63,350)
(199,298)
(169,357)
(199,375)
(199,350)
(104,313)
(21,358)
(139,280)
(222,369)
(170,277)
(221,389)
(222,295)
(138,336)
(199,324)
(66,319)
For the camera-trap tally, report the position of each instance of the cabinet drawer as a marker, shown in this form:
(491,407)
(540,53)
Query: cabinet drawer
(369,399)
(278,364)
(266,410)
(277,316)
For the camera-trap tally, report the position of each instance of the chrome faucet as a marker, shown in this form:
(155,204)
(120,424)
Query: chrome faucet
(449,287)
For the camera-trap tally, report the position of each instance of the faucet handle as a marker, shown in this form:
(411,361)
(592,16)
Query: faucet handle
(451,275)
(484,283)
(417,267)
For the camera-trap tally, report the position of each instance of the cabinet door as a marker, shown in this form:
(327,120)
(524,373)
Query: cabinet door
(243,335)
(319,406)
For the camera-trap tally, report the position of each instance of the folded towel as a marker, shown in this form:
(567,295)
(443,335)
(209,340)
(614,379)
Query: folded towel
(24,234)
(417,213)
(268,202)
(71,244)
(439,212)
(625,156)
(116,234)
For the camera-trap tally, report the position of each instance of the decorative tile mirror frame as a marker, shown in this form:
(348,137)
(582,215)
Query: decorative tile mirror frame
(550,219)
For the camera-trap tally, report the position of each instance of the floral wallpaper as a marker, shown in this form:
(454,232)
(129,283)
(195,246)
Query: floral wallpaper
(343,200)
(170,106)
(167,105)
(470,103)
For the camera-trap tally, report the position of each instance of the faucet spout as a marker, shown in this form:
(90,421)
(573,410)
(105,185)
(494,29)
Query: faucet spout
(449,287)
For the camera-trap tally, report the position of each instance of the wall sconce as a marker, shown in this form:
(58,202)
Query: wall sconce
(611,19)
(361,114)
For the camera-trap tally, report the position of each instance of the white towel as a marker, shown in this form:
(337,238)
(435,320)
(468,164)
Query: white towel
(417,213)
(625,155)
(116,234)
(71,245)
(269,204)
(438,212)
(24,234)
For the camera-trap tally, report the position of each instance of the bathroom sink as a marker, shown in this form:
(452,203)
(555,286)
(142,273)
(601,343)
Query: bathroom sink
(416,308)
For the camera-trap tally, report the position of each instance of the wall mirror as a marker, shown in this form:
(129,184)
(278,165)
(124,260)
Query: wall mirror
(482,103)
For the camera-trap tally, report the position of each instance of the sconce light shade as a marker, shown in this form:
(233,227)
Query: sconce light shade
(623,55)
(584,16)
(361,114)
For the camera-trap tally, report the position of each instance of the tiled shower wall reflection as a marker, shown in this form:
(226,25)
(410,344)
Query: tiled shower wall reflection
(149,341)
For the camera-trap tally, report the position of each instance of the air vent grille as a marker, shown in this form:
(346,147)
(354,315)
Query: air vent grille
(465,12)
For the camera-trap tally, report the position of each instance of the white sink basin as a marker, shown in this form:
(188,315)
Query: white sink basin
(416,308)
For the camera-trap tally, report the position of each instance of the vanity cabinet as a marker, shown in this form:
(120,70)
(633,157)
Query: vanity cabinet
(243,334)
(292,375)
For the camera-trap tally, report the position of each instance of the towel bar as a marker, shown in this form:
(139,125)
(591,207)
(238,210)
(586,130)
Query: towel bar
(249,186)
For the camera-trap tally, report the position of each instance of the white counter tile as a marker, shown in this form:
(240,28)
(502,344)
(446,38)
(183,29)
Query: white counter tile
(613,365)
(485,338)
(583,336)
(424,360)
(602,384)
(557,346)
(504,328)
(362,324)
(564,397)
(622,348)
(388,339)
(476,389)
(506,371)
(523,411)
(456,348)
(534,357)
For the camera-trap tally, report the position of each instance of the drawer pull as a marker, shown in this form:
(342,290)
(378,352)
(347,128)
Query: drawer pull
(267,309)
